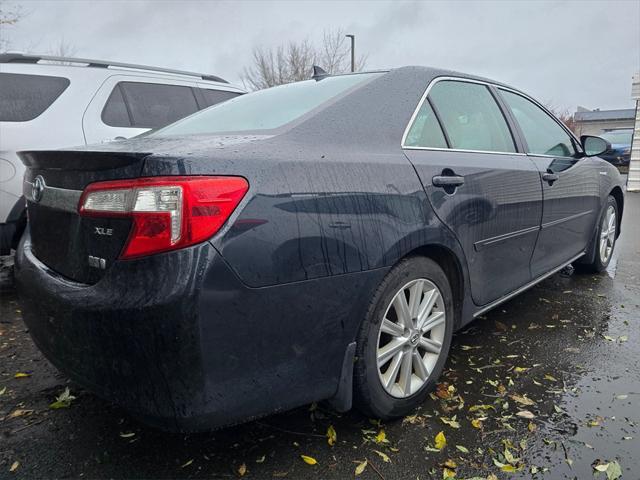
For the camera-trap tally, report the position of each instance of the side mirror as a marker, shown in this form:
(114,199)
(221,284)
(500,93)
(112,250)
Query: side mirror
(594,146)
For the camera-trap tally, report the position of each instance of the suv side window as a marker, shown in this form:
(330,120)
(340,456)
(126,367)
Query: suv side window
(542,133)
(471,117)
(25,97)
(211,97)
(425,130)
(149,105)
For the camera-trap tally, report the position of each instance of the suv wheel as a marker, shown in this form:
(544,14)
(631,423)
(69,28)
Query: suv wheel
(404,340)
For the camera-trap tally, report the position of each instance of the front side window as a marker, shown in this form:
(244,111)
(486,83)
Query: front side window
(148,105)
(542,133)
(471,117)
(266,109)
(24,97)
(425,130)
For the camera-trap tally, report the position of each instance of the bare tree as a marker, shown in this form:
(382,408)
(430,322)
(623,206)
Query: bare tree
(63,49)
(9,16)
(565,116)
(292,62)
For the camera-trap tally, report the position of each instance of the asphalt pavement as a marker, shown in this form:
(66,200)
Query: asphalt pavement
(545,386)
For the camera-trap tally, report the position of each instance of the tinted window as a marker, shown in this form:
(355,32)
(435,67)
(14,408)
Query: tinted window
(24,97)
(211,97)
(543,134)
(115,111)
(266,109)
(425,130)
(153,105)
(471,117)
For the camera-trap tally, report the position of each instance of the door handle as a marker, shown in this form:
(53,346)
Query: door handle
(447,181)
(550,177)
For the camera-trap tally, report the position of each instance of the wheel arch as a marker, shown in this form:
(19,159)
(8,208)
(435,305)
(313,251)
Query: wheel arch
(617,194)
(452,267)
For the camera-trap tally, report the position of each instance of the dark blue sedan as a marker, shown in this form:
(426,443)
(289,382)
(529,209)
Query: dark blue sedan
(620,152)
(317,240)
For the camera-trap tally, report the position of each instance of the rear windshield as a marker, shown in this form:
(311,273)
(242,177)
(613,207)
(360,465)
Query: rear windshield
(24,97)
(266,109)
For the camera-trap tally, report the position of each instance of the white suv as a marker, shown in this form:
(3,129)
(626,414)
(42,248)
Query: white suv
(53,102)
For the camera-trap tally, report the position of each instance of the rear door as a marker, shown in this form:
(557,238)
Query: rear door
(571,186)
(487,193)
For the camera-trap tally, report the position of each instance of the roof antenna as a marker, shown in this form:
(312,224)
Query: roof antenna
(318,73)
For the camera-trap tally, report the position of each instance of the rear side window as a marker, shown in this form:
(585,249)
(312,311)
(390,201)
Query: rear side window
(543,134)
(425,130)
(24,97)
(148,105)
(211,97)
(471,117)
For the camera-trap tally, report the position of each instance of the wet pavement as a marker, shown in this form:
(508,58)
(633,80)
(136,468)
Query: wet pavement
(544,386)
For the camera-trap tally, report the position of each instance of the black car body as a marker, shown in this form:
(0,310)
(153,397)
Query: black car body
(264,315)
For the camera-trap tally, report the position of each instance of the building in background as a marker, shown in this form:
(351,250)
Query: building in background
(633,182)
(596,122)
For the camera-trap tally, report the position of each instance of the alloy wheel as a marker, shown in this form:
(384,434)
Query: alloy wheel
(607,234)
(410,338)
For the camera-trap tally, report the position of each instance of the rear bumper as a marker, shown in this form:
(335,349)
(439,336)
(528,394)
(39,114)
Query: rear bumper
(179,341)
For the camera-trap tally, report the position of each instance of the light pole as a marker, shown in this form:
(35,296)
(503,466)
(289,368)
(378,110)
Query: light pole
(353,52)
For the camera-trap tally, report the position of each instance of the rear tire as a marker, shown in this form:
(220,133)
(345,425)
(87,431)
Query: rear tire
(605,237)
(398,363)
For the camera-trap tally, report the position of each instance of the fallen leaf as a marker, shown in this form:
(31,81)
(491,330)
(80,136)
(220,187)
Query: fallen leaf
(381,437)
(19,413)
(520,369)
(242,469)
(14,466)
(187,464)
(532,427)
(440,441)
(127,435)
(623,338)
(385,458)
(476,423)
(450,421)
(463,449)
(308,460)
(261,459)
(448,473)
(63,400)
(525,414)
(332,436)
(360,468)
(612,469)
(2,390)
(22,375)
(522,399)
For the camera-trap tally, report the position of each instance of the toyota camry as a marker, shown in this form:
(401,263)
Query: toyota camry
(321,240)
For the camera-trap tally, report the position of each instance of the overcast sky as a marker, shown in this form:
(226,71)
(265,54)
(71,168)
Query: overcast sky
(563,53)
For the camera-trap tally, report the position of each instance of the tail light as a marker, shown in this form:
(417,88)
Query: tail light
(167,212)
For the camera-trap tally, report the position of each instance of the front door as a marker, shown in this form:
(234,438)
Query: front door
(571,188)
(479,186)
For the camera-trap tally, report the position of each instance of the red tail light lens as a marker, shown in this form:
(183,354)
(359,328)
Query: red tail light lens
(167,212)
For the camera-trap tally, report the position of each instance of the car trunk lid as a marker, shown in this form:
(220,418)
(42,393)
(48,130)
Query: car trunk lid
(77,247)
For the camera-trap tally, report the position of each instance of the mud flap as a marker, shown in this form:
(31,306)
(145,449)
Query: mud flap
(343,399)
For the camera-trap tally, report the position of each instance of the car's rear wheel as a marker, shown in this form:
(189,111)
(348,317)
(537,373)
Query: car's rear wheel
(606,237)
(404,340)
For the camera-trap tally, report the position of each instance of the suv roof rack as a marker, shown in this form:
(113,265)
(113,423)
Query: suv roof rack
(15,57)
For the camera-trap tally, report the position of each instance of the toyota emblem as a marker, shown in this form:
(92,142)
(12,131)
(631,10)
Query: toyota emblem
(37,189)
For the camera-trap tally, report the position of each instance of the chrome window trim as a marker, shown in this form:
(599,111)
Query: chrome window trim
(551,115)
(487,84)
(62,199)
